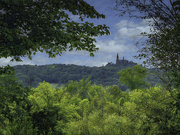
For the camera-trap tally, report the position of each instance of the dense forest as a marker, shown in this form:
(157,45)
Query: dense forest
(60,74)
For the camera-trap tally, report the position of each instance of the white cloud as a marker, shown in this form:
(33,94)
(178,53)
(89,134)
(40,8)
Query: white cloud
(4,61)
(75,17)
(114,46)
(129,30)
(7,61)
(125,23)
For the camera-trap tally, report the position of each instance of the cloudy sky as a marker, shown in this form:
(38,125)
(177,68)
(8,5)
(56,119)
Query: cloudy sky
(125,32)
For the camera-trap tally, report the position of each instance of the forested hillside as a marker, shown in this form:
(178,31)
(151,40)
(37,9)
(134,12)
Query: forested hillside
(30,75)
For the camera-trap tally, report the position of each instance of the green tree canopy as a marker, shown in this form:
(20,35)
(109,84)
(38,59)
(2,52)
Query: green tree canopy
(134,77)
(29,26)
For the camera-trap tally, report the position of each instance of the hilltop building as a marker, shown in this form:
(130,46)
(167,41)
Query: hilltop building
(123,61)
(120,61)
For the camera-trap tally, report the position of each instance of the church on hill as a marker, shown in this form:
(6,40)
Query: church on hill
(120,61)
(123,61)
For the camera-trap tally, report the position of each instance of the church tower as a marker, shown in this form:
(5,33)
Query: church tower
(117,59)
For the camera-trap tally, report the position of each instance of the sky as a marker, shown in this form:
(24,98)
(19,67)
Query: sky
(125,32)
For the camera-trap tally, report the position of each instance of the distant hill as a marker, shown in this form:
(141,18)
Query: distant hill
(31,75)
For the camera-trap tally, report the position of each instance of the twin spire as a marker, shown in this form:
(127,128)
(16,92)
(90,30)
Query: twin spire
(118,57)
(119,61)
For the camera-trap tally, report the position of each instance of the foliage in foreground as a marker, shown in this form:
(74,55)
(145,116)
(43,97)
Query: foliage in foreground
(80,108)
